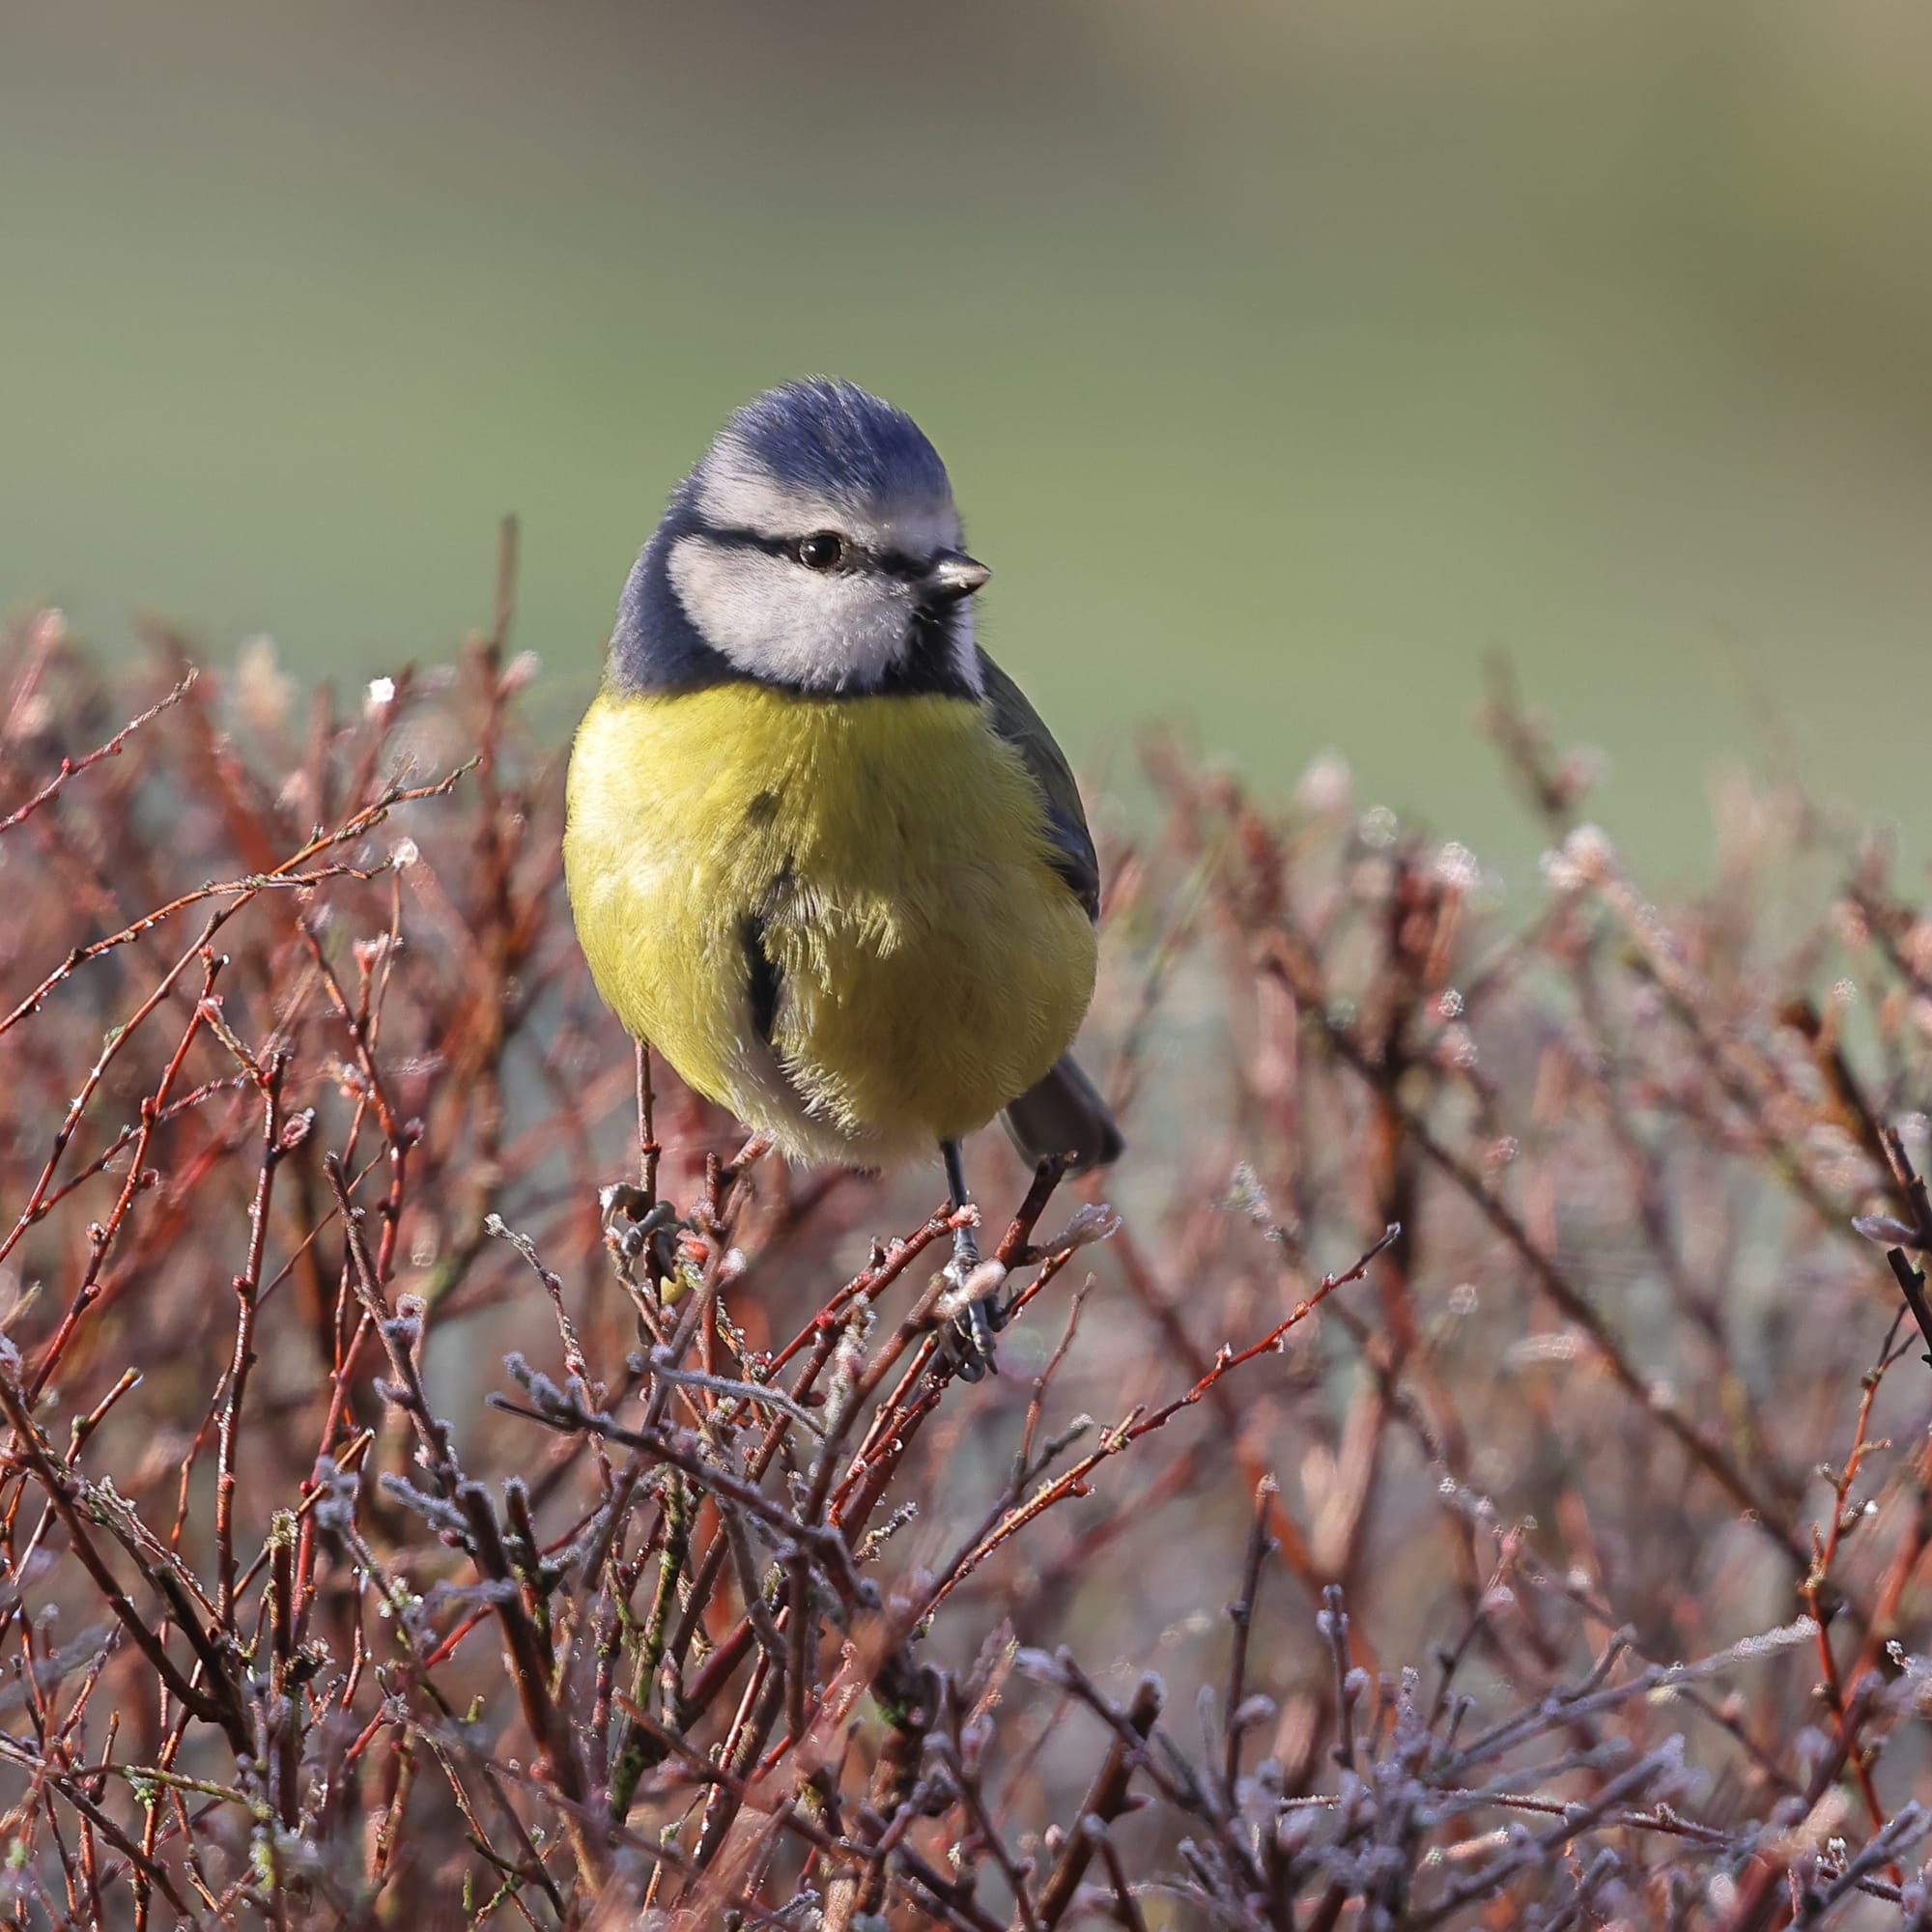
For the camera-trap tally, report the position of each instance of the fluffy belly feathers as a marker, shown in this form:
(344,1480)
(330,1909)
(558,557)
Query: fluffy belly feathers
(884,857)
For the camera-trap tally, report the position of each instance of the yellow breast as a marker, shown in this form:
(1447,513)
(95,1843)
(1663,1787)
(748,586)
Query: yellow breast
(887,855)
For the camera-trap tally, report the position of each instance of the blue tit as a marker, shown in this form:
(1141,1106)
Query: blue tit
(822,853)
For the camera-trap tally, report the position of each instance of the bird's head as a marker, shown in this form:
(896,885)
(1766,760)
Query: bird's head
(815,547)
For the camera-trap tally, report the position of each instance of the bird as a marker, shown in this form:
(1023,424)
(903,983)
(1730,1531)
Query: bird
(822,854)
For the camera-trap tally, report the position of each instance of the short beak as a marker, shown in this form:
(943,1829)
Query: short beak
(953,575)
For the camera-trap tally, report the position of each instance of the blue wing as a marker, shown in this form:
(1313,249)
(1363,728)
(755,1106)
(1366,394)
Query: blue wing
(1013,719)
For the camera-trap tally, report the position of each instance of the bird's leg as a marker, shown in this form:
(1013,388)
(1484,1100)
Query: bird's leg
(970,1343)
(636,1226)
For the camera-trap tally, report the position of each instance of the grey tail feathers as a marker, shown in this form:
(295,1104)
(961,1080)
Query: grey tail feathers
(1065,1113)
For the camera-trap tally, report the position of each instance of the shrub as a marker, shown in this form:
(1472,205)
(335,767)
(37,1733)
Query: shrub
(1485,1480)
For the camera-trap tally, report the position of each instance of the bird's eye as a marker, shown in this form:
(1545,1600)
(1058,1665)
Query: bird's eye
(821,552)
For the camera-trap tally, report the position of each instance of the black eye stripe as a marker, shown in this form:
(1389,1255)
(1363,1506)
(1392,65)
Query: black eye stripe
(888,563)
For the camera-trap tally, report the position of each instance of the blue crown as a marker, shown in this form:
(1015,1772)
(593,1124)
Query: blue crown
(827,435)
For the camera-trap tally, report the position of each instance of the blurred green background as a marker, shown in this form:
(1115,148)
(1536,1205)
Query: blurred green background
(1288,358)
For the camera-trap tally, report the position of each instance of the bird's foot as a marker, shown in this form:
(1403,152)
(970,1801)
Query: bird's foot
(621,1197)
(633,1222)
(971,1306)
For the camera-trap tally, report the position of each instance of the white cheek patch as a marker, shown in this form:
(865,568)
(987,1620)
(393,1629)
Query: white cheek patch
(777,621)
